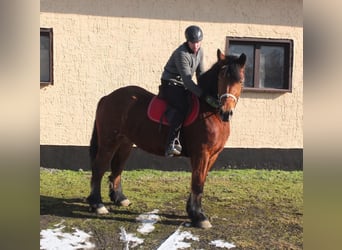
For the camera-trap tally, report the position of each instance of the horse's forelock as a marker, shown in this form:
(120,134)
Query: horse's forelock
(232,68)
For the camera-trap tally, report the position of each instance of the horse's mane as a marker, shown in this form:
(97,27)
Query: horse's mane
(208,80)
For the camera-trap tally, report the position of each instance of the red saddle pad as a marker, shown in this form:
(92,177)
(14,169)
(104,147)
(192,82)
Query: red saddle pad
(157,107)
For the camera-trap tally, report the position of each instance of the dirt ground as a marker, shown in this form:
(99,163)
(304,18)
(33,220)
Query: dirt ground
(242,211)
(258,232)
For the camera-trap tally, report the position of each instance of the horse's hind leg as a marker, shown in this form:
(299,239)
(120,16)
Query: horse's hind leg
(101,154)
(99,166)
(117,165)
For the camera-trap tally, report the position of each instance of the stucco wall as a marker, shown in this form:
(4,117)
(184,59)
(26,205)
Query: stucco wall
(102,45)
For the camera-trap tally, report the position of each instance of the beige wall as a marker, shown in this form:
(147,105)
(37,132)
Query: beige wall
(102,45)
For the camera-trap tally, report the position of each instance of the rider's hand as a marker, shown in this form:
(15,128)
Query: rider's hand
(212,101)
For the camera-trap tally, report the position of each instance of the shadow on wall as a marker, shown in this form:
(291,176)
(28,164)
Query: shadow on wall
(77,157)
(222,11)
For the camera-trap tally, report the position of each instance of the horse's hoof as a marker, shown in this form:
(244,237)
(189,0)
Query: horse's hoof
(204,224)
(102,210)
(99,209)
(125,203)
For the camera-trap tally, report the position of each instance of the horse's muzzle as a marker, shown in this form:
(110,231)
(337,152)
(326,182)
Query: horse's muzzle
(226,116)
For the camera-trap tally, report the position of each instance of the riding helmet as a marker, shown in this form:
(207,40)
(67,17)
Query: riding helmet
(193,34)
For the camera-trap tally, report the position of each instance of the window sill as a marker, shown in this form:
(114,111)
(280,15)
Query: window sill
(45,84)
(266,90)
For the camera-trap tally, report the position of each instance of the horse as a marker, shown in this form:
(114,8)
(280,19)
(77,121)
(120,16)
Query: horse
(121,121)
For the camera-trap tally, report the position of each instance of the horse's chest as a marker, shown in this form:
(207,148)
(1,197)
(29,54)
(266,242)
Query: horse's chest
(219,135)
(223,136)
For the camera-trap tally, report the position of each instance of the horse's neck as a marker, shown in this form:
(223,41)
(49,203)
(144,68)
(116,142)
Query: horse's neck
(208,81)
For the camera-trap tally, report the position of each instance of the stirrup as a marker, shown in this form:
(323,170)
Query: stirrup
(171,151)
(174,148)
(176,144)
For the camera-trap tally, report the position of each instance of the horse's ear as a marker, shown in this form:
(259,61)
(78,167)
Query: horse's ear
(220,55)
(242,59)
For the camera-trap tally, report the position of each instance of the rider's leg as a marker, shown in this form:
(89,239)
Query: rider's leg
(177,99)
(173,146)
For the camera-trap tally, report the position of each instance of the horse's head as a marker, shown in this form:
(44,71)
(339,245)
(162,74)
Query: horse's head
(230,82)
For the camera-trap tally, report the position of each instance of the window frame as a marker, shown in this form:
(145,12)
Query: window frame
(49,33)
(287,44)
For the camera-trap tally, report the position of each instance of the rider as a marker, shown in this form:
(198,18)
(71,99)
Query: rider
(177,83)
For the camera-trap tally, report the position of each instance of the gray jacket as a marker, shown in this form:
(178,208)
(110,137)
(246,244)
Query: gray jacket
(182,65)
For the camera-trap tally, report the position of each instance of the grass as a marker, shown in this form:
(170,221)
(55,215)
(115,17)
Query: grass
(254,209)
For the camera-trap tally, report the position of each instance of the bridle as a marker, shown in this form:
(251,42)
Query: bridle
(227,95)
(226,116)
(229,73)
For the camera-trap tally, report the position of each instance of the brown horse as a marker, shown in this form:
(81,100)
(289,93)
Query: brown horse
(121,121)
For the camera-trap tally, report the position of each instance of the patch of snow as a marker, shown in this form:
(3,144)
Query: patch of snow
(175,241)
(222,244)
(148,220)
(55,239)
(129,238)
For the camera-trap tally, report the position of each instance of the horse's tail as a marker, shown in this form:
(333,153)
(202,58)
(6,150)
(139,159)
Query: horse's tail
(93,144)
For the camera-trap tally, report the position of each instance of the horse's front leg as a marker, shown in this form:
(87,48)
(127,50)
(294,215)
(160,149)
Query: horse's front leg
(194,203)
(195,212)
(200,169)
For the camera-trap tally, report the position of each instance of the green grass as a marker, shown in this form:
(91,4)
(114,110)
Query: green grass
(255,209)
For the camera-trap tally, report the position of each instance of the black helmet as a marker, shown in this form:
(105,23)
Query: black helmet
(193,34)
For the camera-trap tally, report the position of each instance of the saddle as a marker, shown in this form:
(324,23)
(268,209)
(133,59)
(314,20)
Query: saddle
(157,108)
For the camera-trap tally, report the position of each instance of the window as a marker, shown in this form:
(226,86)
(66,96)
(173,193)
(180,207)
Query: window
(46,68)
(269,63)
